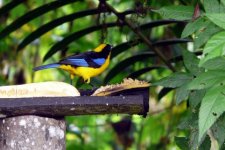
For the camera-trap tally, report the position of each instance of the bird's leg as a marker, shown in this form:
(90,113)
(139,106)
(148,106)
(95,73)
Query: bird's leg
(88,82)
(71,79)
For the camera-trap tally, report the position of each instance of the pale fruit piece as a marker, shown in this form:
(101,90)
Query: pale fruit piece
(41,89)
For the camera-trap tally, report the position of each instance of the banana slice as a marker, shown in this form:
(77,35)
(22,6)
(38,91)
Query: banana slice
(42,89)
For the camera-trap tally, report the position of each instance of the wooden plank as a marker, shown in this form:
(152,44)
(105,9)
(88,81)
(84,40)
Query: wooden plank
(67,106)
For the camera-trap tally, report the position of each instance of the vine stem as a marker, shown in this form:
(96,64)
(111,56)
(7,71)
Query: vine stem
(122,18)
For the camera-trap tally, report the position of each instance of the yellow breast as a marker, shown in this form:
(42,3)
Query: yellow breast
(86,72)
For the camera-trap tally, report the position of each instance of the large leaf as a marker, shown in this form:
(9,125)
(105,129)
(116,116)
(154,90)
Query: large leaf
(175,80)
(180,57)
(203,36)
(208,79)
(211,6)
(214,47)
(191,62)
(218,19)
(212,106)
(193,142)
(195,97)
(194,26)
(32,15)
(9,6)
(190,122)
(218,130)
(217,63)
(182,93)
(126,63)
(217,41)
(223,2)
(176,12)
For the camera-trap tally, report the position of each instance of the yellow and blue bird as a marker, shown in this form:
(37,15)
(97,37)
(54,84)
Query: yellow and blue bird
(85,65)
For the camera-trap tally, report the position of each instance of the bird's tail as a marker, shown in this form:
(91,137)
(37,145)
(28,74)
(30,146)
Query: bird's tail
(46,67)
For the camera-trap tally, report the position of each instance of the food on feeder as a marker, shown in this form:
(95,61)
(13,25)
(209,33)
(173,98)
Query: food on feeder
(42,89)
(127,84)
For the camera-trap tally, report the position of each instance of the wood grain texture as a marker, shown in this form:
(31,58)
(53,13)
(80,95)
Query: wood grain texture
(70,106)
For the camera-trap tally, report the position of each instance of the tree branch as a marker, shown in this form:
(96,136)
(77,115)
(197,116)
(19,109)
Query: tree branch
(123,19)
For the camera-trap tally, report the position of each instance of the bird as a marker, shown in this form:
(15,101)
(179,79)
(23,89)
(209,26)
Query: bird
(86,65)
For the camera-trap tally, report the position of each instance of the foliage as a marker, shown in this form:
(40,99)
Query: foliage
(209,72)
(36,32)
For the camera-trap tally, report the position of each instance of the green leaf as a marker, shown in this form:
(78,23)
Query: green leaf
(217,63)
(212,106)
(214,47)
(191,62)
(193,142)
(196,97)
(194,26)
(218,19)
(32,15)
(218,130)
(174,80)
(211,6)
(182,93)
(176,12)
(189,122)
(223,2)
(182,142)
(203,36)
(207,79)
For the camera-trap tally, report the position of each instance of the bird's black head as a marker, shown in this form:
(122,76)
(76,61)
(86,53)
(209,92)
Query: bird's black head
(103,47)
(107,47)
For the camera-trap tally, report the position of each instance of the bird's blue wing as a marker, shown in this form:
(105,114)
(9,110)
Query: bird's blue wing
(88,59)
(99,61)
(75,62)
